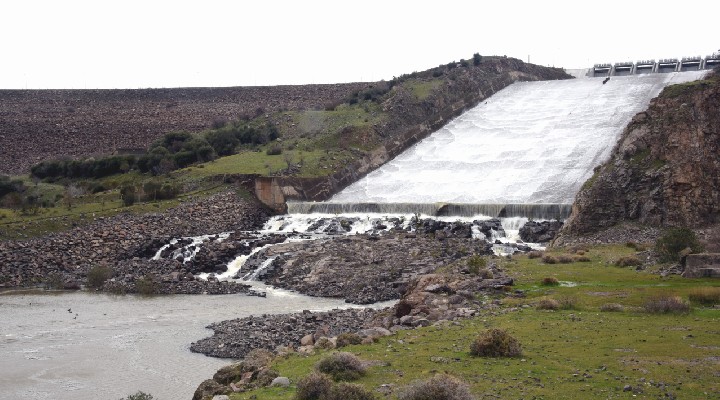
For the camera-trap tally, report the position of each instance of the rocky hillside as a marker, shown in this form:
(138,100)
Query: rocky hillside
(42,124)
(665,169)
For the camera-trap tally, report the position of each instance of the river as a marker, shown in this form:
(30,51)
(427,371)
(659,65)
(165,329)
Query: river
(80,345)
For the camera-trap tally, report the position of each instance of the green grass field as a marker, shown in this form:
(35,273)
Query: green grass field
(568,354)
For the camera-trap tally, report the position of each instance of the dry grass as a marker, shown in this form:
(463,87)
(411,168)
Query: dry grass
(439,387)
(547,304)
(612,307)
(628,261)
(535,254)
(342,366)
(495,343)
(706,295)
(550,281)
(665,304)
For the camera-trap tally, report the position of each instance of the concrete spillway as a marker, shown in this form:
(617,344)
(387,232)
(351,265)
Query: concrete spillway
(531,143)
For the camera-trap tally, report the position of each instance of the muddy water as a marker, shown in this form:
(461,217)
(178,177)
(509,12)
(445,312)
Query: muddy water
(84,345)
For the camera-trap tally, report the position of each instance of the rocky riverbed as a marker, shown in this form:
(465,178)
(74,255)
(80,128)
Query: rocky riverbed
(125,243)
(435,277)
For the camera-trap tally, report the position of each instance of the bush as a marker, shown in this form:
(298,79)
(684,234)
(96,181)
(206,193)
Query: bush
(548,259)
(665,304)
(565,259)
(274,150)
(347,339)
(97,276)
(439,387)
(139,396)
(705,295)
(145,285)
(475,263)
(495,343)
(349,391)
(547,304)
(342,366)
(567,302)
(581,258)
(477,59)
(535,254)
(674,241)
(612,307)
(628,261)
(550,281)
(313,387)
(128,195)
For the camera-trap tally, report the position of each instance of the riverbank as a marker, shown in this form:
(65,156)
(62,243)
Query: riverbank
(586,327)
(125,244)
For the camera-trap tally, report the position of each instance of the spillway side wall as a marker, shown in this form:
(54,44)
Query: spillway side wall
(664,171)
(409,124)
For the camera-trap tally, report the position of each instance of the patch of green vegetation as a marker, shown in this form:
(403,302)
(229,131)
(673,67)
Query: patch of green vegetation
(639,157)
(591,181)
(422,89)
(682,89)
(310,164)
(566,352)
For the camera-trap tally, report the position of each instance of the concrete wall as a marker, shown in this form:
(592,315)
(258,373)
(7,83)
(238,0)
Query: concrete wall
(705,265)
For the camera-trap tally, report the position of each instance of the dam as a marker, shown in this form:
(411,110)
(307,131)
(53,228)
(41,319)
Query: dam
(526,151)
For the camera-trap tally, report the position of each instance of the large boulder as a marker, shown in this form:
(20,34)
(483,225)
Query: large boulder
(540,232)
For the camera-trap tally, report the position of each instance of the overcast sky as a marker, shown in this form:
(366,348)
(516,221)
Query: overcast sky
(154,43)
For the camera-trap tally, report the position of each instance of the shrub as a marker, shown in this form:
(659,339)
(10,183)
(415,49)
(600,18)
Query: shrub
(628,261)
(474,264)
(342,366)
(664,304)
(486,273)
(347,339)
(567,302)
(266,376)
(495,343)
(548,259)
(324,343)
(128,195)
(674,241)
(349,391)
(274,150)
(97,276)
(565,259)
(139,396)
(145,285)
(550,281)
(313,387)
(705,295)
(612,307)
(547,304)
(581,258)
(477,59)
(439,387)
(535,254)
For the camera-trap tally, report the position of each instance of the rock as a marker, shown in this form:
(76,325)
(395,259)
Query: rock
(374,332)
(280,381)
(539,232)
(221,397)
(210,388)
(307,340)
(229,374)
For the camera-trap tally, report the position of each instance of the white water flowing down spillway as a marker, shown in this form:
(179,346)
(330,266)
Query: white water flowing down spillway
(531,143)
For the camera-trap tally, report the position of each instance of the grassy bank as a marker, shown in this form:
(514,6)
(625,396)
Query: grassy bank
(578,352)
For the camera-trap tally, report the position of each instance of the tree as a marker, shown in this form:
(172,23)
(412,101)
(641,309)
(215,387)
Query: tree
(477,59)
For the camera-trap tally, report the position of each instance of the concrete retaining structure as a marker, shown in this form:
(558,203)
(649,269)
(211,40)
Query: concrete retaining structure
(706,265)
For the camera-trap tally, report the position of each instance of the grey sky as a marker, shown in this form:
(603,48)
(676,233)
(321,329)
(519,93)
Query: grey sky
(154,43)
